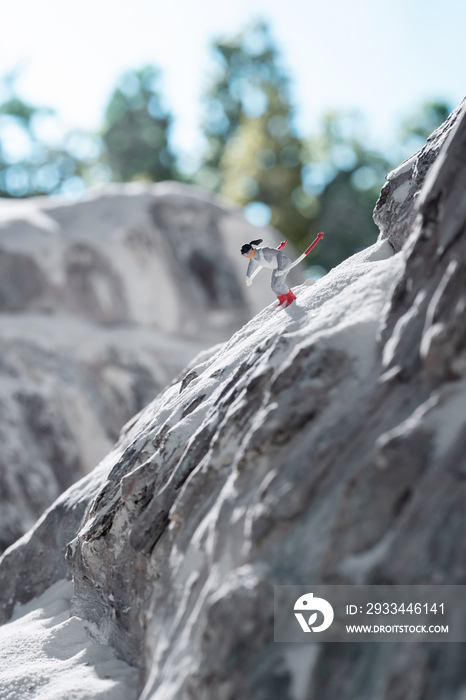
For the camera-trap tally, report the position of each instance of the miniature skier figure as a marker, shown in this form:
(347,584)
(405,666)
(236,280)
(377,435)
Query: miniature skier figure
(279,262)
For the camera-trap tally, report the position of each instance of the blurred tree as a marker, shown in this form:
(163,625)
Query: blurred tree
(136,129)
(416,128)
(254,156)
(31,163)
(342,182)
(425,119)
(344,177)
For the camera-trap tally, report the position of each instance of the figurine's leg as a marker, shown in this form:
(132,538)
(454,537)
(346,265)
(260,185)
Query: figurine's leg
(281,289)
(290,297)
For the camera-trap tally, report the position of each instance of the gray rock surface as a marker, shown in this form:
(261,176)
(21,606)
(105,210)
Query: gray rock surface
(66,389)
(102,303)
(397,205)
(322,443)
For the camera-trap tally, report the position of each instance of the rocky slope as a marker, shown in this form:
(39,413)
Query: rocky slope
(397,207)
(102,303)
(322,443)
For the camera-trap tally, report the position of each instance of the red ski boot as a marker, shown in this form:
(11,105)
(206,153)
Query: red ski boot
(282,299)
(289,299)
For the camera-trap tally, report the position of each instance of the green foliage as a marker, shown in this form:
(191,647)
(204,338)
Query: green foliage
(419,125)
(28,165)
(15,107)
(136,130)
(344,178)
(254,155)
(246,68)
(423,121)
(330,183)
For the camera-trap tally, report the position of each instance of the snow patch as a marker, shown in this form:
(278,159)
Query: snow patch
(405,167)
(46,653)
(401,193)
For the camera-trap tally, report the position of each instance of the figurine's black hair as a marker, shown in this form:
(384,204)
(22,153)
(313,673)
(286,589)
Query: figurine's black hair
(248,246)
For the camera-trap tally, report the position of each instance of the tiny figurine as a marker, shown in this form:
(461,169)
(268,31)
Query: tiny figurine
(279,262)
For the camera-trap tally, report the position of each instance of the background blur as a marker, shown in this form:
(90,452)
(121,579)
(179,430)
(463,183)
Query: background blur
(293,110)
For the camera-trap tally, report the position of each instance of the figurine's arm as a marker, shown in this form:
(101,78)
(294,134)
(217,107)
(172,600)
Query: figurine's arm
(251,267)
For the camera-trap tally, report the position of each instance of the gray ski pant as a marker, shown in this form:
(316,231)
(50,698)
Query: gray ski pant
(278,283)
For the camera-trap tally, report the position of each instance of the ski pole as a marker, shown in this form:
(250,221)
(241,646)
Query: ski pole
(308,250)
(301,257)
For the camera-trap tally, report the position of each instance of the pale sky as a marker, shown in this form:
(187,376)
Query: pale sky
(382,58)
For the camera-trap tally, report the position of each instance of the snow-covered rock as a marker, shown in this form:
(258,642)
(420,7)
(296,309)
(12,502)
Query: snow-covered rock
(47,652)
(396,207)
(66,389)
(321,443)
(102,303)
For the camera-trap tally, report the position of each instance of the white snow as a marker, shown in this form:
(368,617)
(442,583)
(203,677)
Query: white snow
(405,167)
(48,654)
(401,192)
